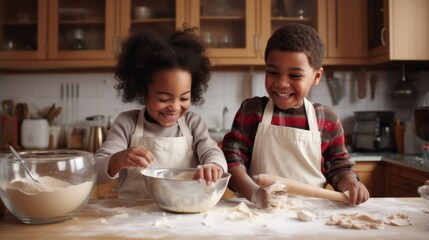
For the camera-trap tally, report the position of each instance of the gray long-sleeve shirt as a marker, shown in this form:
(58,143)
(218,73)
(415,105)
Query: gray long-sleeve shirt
(119,138)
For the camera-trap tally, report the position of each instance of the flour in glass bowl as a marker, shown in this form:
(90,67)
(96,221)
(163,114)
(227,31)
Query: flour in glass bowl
(50,198)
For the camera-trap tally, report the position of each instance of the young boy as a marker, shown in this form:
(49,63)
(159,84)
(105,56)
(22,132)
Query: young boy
(285,134)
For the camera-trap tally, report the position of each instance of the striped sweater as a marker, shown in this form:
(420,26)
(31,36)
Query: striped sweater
(238,143)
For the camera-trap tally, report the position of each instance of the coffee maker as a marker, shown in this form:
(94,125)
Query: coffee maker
(373,131)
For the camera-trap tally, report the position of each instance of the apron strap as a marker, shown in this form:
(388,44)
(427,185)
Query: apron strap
(186,132)
(138,131)
(311,114)
(268,112)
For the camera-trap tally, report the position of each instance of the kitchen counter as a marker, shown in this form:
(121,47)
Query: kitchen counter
(125,219)
(411,161)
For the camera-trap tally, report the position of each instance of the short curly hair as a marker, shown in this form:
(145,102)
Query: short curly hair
(145,53)
(298,38)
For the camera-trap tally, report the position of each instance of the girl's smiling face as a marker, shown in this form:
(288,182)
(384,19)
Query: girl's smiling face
(289,77)
(169,96)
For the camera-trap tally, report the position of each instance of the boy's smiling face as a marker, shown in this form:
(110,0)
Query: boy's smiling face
(289,77)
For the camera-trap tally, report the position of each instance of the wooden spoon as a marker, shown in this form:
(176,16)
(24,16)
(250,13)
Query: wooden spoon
(55,113)
(301,189)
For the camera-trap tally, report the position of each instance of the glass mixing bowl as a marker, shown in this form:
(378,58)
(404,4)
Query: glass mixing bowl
(66,179)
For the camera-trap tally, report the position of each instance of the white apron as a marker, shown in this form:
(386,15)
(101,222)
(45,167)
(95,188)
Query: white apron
(288,152)
(168,152)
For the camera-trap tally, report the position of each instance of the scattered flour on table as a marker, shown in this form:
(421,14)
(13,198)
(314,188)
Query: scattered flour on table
(49,198)
(242,212)
(363,221)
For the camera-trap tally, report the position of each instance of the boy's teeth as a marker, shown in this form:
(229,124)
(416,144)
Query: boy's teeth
(283,94)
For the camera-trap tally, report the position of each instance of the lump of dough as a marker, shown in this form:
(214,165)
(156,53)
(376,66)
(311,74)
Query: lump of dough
(355,221)
(399,219)
(305,215)
(277,195)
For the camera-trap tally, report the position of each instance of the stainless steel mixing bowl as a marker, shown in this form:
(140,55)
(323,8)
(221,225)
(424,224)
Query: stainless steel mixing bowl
(175,190)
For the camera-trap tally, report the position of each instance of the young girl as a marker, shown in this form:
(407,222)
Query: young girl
(165,76)
(285,134)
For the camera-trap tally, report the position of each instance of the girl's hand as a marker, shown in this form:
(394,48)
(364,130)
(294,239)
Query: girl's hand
(357,191)
(133,157)
(209,172)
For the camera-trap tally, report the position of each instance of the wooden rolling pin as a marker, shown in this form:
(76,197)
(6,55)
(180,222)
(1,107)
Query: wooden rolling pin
(301,189)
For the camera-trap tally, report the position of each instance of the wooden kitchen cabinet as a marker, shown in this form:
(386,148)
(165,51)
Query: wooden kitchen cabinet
(228,30)
(166,16)
(401,181)
(82,34)
(78,33)
(272,17)
(400,31)
(370,175)
(81,29)
(345,31)
(106,190)
(23,28)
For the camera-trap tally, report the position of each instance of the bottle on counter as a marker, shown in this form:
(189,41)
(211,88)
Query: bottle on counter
(412,143)
(399,136)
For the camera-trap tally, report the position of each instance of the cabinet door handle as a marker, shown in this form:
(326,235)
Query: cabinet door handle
(257,43)
(383,43)
(336,24)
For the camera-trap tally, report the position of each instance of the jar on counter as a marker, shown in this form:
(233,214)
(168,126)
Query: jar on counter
(97,132)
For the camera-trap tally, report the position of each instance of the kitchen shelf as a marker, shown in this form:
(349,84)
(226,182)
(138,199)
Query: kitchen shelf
(291,19)
(20,23)
(217,18)
(153,20)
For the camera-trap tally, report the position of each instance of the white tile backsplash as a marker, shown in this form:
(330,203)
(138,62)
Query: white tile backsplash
(226,89)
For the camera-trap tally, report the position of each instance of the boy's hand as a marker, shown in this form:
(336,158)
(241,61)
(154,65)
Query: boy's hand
(209,172)
(260,198)
(357,191)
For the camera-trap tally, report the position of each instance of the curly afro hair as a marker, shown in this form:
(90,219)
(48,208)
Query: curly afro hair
(145,53)
(298,38)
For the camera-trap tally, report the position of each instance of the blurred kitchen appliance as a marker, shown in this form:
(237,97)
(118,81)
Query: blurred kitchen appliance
(97,132)
(35,133)
(373,131)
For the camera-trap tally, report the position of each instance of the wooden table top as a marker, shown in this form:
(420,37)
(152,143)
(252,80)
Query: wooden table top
(144,219)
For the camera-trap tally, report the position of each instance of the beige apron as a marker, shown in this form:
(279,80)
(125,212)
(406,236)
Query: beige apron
(288,152)
(168,152)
